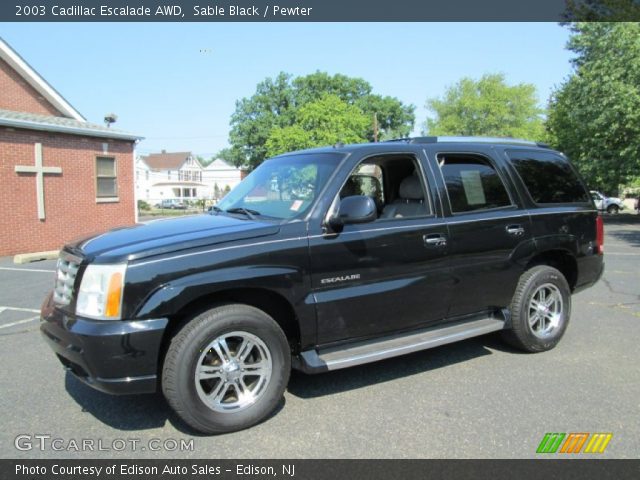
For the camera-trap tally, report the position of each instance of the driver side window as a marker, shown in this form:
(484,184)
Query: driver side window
(395,184)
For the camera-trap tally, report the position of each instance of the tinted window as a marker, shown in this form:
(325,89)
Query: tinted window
(472,183)
(548,177)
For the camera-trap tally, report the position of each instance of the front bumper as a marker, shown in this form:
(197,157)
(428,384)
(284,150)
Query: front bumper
(117,357)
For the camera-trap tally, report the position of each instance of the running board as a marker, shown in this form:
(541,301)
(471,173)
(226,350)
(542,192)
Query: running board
(316,361)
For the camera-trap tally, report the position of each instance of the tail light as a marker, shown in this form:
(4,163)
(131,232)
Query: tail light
(599,235)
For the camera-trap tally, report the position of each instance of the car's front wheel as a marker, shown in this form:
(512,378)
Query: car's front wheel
(540,310)
(613,209)
(226,369)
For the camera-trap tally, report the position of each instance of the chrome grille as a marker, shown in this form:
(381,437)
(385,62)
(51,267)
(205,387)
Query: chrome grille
(66,272)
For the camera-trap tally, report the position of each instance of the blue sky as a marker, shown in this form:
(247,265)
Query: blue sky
(176,83)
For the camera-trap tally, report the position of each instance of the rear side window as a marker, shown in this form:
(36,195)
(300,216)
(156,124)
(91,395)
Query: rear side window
(472,183)
(548,177)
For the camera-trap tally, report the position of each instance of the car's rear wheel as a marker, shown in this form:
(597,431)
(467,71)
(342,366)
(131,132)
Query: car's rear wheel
(540,310)
(226,369)
(613,209)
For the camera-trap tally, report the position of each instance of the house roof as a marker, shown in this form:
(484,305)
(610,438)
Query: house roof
(219,164)
(48,123)
(166,161)
(34,79)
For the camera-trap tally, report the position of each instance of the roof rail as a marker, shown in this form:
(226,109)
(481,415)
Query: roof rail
(502,140)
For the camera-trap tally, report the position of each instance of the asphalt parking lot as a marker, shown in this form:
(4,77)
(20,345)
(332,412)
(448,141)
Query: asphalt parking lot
(474,399)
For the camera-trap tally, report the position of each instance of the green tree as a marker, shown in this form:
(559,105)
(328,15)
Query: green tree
(487,107)
(594,115)
(602,10)
(225,154)
(276,103)
(325,121)
(394,118)
(311,87)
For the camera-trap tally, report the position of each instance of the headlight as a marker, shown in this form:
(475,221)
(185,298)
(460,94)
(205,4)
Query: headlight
(100,294)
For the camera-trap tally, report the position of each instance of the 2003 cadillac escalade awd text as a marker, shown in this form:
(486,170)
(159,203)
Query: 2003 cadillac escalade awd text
(323,259)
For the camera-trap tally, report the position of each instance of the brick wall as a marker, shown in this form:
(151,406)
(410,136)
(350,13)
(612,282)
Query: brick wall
(17,95)
(70,198)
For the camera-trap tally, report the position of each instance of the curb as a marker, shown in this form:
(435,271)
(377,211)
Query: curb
(34,257)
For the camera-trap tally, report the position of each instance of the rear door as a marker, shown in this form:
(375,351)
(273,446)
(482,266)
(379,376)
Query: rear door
(489,227)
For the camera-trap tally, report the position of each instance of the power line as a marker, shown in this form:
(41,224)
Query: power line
(186,138)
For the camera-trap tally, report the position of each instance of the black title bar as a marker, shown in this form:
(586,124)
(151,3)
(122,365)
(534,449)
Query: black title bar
(316,10)
(319,469)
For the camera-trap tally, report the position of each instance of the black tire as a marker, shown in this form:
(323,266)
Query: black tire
(533,338)
(186,352)
(613,209)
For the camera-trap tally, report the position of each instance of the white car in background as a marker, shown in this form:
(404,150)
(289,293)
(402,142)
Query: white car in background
(609,204)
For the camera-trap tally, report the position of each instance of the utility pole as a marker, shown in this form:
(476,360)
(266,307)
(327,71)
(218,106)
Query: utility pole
(375,127)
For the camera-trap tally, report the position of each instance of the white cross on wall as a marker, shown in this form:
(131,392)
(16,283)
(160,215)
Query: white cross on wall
(39,170)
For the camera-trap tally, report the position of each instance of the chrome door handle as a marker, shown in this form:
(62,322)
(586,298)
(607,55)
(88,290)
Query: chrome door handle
(435,240)
(516,230)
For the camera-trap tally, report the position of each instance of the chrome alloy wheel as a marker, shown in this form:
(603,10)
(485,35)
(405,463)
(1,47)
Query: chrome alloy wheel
(233,372)
(545,310)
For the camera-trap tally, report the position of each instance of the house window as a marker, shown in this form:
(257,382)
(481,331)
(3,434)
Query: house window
(106,179)
(146,175)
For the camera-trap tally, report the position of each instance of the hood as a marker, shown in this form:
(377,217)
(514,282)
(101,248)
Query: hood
(168,235)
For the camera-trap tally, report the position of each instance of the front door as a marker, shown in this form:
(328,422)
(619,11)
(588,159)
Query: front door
(388,275)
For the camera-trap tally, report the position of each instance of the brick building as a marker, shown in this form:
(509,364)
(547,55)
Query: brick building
(62,177)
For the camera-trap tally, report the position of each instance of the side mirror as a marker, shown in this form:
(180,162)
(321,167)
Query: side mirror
(352,210)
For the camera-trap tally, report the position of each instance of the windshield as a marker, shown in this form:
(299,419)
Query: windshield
(284,187)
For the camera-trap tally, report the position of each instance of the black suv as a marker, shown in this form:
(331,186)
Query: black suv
(323,259)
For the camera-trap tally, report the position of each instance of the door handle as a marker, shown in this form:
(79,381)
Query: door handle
(435,240)
(516,230)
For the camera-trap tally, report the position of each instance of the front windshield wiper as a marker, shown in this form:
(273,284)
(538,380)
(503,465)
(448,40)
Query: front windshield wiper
(246,211)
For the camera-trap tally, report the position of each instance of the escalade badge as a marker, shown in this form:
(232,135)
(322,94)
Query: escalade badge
(343,278)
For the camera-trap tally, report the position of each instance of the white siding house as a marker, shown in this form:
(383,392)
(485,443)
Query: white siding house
(164,176)
(180,176)
(221,175)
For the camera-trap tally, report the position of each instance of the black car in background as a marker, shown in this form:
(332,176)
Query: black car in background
(323,259)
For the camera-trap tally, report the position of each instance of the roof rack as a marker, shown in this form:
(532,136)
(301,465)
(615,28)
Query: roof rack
(502,140)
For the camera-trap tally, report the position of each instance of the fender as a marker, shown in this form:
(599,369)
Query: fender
(175,295)
(288,282)
(566,243)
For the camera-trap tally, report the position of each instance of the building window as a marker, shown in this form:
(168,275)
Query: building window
(146,175)
(106,180)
